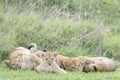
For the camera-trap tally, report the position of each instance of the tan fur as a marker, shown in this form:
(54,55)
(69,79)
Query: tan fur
(25,61)
(60,60)
(68,63)
(100,64)
(110,64)
(18,51)
(21,58)
(30,61)
(13,63)
(48,63)
(71,64)
(14,59)
(95,66)
(38,53)
(83,60)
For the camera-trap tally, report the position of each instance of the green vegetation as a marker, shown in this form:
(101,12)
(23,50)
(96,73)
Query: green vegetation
(71,27)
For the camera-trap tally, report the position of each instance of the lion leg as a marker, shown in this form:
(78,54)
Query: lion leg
(58,69)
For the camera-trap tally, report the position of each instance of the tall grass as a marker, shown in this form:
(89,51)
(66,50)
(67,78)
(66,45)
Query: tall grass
(73,28)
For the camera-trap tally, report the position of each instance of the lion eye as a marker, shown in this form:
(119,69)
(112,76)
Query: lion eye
(52,58)
(18,60)
(46,59)
(78,65)
(72,66)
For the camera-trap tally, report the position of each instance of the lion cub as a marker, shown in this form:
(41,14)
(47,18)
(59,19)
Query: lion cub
(69,63)
(100,64)
(13,63)
(30,61)
(83,60)
(21,58)
(18,51)
(14,60)
(23,61)
(48,63)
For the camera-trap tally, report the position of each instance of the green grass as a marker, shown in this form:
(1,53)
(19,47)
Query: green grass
(7,74)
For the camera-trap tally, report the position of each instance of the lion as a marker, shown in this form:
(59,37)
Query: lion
(69,63)
(100,64)
(83,60)
(110,64)
(18,51)
(95,66)
(14,58)
(14,62)
(23,61)
(30,61)
(60,60)
(48,63)
(22,58)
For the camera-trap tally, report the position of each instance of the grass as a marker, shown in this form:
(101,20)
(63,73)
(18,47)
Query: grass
(7,74)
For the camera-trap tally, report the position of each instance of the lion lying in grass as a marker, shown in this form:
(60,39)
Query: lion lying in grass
(71,63)
(83,60)
(48,63)
(14,59)
(100,64)
(22,58)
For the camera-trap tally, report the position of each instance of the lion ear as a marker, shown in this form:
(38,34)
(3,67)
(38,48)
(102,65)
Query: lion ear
(44,50)
(56,54)
(42,54)
(66,64)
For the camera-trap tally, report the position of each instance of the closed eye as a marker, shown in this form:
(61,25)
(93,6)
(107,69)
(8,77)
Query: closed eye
(52,58)
(19,60)
(73,67)
(46,59)
(78,65)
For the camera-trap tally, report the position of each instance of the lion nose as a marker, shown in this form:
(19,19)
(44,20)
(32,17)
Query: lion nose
(49,64)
